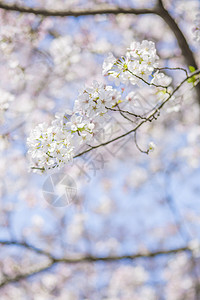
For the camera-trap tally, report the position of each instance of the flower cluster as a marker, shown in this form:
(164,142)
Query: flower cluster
(54,146)
(139,62)
(93,102)
(50,146)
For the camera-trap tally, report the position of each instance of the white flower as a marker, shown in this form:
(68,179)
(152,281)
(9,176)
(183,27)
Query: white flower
(64,53)
(108,63)
(93,103)
(76,227)
(152,146)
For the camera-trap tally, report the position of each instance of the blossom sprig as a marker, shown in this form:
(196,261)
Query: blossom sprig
(139,62)
(55,145)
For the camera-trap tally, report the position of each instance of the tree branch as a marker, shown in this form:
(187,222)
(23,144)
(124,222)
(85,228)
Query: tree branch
(25,245)
(75,13)
(78,259)
(182,42)
(148,118)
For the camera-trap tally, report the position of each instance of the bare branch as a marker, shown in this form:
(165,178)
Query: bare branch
(150,84)
(77,259)
(25,245)
(127,112)
(124,116)
(177,68)
(75,13)
(138,147)
(25,275)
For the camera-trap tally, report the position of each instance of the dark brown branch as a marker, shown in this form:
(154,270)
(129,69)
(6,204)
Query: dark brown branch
(25,245)
(182,42)
(78,259)
(25,275)
(74,13)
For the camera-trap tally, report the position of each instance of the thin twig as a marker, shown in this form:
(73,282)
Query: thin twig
(127,112)
(124,116)
(156,85)
(138,147)
(178,68)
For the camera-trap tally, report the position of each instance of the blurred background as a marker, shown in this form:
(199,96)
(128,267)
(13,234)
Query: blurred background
(126,203)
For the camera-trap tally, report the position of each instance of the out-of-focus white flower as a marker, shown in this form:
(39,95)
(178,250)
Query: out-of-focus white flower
(128,283)
(76,228)
(64,54)
(175,108)
(194,245)
(5,99)
(196,29)
(105,207)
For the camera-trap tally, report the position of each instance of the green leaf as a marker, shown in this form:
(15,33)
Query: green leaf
(192,80)
(191,68)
